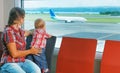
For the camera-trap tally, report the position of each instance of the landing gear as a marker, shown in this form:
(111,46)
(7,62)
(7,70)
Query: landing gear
(66,22)
(69,21)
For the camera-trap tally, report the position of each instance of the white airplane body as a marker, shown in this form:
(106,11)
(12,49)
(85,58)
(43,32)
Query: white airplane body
(65,18)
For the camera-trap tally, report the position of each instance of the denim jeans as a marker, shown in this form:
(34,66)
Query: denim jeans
(39,59)
(21,67)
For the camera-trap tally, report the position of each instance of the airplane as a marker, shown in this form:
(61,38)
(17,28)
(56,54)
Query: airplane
(66,18)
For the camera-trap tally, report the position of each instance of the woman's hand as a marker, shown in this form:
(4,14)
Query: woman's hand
(35,50)
(27,33)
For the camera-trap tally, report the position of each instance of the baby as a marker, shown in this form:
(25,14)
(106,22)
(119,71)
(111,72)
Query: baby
(39,41)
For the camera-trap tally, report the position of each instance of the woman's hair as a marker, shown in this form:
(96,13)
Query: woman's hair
(15,14)
(38,23)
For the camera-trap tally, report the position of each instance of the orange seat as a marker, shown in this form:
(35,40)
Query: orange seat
(111,57)
(76,55)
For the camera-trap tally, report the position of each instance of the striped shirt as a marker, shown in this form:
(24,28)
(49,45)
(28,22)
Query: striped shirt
(11,35)
(39,38)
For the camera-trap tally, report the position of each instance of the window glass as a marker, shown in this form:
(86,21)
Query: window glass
(98,19)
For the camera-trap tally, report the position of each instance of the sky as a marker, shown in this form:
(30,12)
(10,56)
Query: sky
(70,3)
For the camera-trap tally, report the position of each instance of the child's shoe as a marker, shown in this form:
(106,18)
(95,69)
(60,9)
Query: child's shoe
(46,71)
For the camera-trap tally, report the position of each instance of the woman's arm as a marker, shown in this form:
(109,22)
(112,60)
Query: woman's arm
(27,33)
(17,53)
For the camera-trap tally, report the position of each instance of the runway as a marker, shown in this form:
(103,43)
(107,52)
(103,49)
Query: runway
(100,31)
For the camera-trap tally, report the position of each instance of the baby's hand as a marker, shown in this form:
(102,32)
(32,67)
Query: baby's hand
(50,36)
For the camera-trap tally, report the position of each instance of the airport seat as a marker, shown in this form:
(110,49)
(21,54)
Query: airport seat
(76,55)
(50,45)
(49,49)
(111,57)
(1,45)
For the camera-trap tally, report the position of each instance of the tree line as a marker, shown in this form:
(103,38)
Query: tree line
(112,13)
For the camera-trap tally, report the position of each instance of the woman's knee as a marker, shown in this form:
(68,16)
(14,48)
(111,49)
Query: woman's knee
(31,66)
(36,71)
(11,68)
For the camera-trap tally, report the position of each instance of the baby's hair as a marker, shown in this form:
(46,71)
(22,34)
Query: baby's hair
(38,24)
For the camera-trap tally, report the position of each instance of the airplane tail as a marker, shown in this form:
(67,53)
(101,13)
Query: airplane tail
(52,14)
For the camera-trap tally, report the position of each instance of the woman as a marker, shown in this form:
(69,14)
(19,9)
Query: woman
(13,58)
